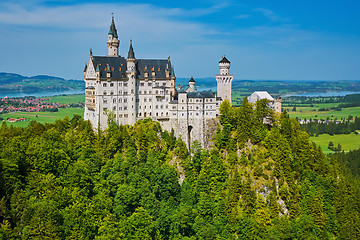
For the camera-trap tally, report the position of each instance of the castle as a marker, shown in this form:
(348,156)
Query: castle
(131,89)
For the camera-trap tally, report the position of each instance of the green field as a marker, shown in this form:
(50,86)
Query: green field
(308,112)
(347,141)
(67,99)
(42,117)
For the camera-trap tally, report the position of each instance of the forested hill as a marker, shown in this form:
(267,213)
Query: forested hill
(10,82)
(65,181)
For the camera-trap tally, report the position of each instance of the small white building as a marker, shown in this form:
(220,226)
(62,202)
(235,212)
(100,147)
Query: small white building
(274,104)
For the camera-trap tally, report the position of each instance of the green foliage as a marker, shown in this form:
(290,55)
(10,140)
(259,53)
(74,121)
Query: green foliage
(264,179)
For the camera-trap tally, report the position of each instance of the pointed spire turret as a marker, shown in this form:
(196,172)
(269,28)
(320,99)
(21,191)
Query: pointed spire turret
(112,30)
(113,42)
(131,53)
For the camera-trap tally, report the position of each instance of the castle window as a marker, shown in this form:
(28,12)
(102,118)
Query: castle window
(164,84)
(125,93)
(125,99)
(125,115)
(132,91)
(139,92)
(120,92)
(157,114)
(104,93)
(104,84)
(167,107)
(104,109)
(139,114)
(150,92)
(120,108)
(105,100)
(114,108)
(112,93)
(144,92)
(157,106)
(197,114)
(125,108)
(149,99)
(167,113)
(114,100)
(120,100)
(120,115)
(156,84)
(145,99)
(111,84)
(157,92)
(120,84)
(142,84)
(137,100)
(125,84)
(161,106)
(149,84)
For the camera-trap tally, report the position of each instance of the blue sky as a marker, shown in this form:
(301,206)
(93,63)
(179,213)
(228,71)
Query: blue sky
(287,40)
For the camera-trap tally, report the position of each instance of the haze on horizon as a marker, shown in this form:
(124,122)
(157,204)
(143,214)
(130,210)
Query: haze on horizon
(286,40)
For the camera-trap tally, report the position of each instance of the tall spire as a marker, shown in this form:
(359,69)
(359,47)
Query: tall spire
(112,30)
(131,53)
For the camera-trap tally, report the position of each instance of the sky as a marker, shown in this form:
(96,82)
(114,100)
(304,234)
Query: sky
(263,39)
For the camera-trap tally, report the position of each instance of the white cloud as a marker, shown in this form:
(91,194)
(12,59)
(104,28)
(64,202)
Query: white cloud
(270,14)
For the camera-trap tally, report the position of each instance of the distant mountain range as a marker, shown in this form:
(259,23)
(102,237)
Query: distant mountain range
(11,82)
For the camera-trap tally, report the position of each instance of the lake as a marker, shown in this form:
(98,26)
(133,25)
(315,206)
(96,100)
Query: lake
(42,93)
(321,94)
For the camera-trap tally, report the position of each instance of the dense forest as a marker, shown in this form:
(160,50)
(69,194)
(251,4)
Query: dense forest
(258,181)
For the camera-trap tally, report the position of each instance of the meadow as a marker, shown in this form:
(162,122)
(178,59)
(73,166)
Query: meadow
(67,99)
(347,141)
(41,117)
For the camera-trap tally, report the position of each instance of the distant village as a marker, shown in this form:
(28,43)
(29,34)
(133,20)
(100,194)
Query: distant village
(31,104)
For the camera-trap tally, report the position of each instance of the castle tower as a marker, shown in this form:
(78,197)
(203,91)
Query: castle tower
(131,72)
(224,80)
(191,85)
(113,42)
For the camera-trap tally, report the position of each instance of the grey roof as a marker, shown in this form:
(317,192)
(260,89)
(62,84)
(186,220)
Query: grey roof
(200,95)
(183,89)
(117,66)
(224,60)
(259,95)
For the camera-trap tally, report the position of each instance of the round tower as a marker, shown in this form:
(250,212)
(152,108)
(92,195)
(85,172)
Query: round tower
(224,66)
(113,42)
(131,75)
(224,80)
